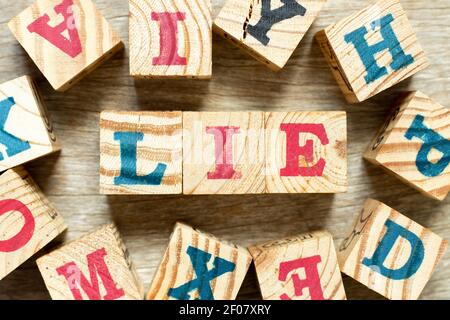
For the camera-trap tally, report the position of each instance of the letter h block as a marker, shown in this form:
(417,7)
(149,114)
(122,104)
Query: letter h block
(299,268)
(414,145)
(389,253)
(372,50)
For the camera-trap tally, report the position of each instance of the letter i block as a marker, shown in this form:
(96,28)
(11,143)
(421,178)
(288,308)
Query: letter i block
(306,152)
(28,221)
(140,152)
(26,132)
(390,253)
(299,268)
(372,50)
(94,267)
(223,152)
(414,145)
(269,30)
(170,38)
(66,39)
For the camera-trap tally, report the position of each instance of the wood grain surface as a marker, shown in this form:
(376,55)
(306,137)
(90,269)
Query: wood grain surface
(70,179)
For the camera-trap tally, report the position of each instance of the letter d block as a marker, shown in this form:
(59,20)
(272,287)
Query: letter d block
(389,253)
(414,145)
(299,268)
(372,50)
(197,266)
(28,221)
(94,267)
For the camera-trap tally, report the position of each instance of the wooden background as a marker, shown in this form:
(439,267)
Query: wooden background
(70,179)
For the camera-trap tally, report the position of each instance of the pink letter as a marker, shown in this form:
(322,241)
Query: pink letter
(25,234)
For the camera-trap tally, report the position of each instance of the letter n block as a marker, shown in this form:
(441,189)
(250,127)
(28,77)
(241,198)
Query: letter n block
(197,266)
(299,268)
(372,50)
(26,132)
(94,267)
(306,152)
(269,30)
(389,253)
(28,221)
(66,39)
(170,38)
(140,152)
(414,145)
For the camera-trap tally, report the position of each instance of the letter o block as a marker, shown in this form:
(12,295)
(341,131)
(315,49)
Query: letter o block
(389,253)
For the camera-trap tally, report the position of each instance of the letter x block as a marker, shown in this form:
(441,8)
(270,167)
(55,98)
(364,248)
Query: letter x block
(140,152)
(414,145)
(26,132)
(66,39)
(197,266)
(269,30)
(390,253)
(372,50)
(299,268)
(94,267)
(28,221)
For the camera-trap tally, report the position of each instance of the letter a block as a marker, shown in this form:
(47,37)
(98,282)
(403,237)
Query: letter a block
(390,253)
(26,132)
(197,266)
(372,50)
(28,221)
(306,152)
(414,145)
(65,38)
(140,152)
(94,267)
(170,38)
(299,268)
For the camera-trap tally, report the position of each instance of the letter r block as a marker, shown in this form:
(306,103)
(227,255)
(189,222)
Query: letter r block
(389,253)
(304,267)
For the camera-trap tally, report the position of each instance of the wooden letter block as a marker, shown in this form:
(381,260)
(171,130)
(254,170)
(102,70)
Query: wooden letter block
(306,152)
(170,38)
(140,152)
(223,152)
(65,38)
(390,253)
(372,50)
(26,132)
(197,266)
(94,267)
(28,221)
(299,268)
(414,145)
(269,30)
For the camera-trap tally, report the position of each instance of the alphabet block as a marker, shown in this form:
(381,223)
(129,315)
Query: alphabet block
(94,267)
(390,253)
(198,266)
(26,132)
(223,152)
(28,221)
(299,268)
(414,145)
(66,39)
(372,50)
(269,30)
(140,152)
(306,152)
(170,38)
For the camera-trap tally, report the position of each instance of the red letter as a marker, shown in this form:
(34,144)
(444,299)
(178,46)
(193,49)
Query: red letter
(293,150)
(168,42)
(25,234)
(311,281)
(54,35)
(97,266)
(224,153)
